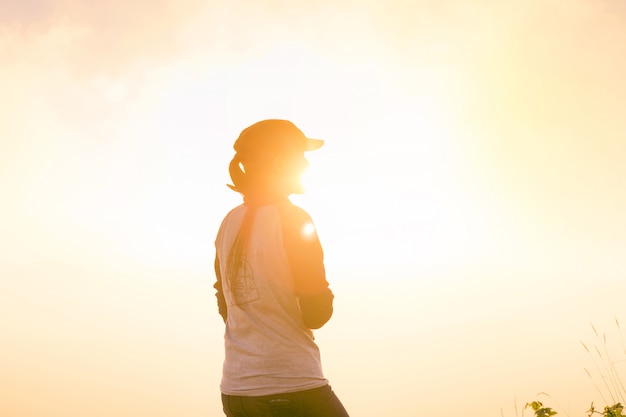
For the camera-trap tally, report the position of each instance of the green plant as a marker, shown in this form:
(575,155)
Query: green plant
(614,411)
(610,386)
(540,410)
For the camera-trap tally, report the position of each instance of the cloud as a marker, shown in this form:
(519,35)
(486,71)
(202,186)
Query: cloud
(94,79)
(25,12)
(114,34)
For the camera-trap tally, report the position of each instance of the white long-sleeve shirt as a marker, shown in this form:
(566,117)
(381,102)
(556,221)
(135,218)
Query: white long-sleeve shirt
(278,294)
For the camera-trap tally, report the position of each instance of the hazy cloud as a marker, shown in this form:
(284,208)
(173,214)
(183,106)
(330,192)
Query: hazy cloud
(102,77)
(114,34)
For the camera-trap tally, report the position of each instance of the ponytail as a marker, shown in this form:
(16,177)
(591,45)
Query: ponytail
(237,174)
(236,263)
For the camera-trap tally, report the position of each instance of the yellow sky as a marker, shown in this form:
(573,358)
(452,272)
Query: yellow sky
(470,196)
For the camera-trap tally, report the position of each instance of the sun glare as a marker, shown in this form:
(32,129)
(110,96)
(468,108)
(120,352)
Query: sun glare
(404,178)
(308,230)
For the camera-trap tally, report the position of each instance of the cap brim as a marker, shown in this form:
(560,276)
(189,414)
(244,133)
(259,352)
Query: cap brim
(313,144)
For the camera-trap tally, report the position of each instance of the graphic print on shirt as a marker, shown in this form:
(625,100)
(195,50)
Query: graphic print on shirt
(242,287)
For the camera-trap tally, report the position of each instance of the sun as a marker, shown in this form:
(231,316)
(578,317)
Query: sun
(399,194)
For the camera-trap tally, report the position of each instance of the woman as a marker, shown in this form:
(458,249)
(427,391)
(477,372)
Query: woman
(271,284)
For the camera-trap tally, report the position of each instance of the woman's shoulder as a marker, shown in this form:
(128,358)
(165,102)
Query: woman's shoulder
(297,224)
(232,217)
(293,212)
(234,212)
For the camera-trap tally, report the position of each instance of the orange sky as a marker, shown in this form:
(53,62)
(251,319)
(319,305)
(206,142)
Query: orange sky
(470,197)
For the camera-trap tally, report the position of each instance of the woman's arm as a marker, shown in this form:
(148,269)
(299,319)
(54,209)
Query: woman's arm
(306,259)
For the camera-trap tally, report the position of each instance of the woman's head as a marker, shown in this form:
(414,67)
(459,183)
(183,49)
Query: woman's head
(270,158)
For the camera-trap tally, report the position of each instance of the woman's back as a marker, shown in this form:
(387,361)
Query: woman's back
(269,348)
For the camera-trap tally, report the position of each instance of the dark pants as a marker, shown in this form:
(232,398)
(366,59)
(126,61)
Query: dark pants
(317,402)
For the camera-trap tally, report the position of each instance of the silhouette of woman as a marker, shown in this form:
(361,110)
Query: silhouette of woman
(271,284)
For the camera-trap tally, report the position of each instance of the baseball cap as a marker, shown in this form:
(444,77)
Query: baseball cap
(275,135)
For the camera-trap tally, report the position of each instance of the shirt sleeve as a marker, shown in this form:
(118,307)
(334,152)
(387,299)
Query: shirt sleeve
(221,301)
(306,259)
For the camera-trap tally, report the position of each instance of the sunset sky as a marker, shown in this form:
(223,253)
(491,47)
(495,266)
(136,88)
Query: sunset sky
(470,197)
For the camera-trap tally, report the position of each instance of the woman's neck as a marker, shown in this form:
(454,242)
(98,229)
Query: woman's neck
(263,198)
